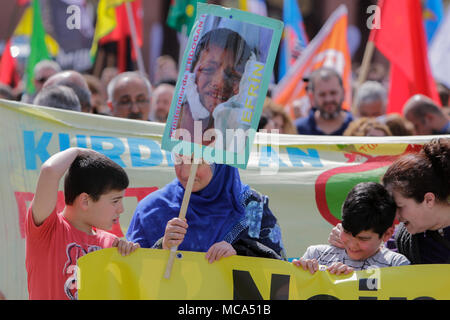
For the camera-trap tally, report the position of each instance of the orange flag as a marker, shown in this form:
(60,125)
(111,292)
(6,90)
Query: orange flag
(329,48)
(401,39)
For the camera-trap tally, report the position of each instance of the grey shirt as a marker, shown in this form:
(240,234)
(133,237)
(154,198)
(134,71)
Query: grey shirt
(326,255)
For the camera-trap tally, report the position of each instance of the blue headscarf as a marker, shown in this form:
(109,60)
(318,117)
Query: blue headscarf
(211,214)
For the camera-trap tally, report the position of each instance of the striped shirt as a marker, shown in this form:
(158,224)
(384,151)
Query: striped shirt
(326,255)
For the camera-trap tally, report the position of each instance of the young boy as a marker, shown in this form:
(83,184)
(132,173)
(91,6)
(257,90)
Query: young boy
(367,219)
(93,189)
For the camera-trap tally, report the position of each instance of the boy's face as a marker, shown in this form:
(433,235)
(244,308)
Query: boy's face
(364,245)
(107,209)
(216,76)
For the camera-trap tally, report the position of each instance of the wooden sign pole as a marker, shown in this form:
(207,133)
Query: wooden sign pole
(364,70)
(182,215)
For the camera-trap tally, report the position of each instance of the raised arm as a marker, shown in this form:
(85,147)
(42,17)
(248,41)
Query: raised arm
(47,187)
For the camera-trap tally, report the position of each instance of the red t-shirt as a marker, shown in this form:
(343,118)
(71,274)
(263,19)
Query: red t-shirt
(52,250)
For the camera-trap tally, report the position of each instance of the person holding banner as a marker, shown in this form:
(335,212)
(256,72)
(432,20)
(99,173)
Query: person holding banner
(129,95)
(326,117)
(368,215)
(93,189)
(224,216)
(420,186)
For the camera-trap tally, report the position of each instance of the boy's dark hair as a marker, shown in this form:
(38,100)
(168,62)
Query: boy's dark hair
(368,206)
(95,174)
(225,39)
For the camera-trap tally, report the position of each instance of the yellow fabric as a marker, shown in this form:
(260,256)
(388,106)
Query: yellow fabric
(105,274)
(24,28)
(106,20)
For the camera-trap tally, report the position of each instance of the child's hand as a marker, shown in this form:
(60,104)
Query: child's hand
(307,264)
(176,228)
(125,247)
(338,268)
(219,250)
(335,236)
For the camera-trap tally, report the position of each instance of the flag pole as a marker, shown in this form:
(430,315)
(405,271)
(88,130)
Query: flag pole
(182,215)
(364,70)
(136,48)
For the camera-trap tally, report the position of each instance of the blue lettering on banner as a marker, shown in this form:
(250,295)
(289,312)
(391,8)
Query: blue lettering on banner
(156,156)
(268,156)
(32,150)
(64,141)
(112,147)
(98,144)
(36,147)
(297,156)
(81,141)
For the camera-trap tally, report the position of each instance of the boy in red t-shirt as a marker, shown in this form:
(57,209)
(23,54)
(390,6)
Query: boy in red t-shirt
(93,189)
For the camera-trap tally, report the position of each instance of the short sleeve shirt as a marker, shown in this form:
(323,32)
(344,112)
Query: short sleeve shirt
(307,125)
(52,250)
(327,255)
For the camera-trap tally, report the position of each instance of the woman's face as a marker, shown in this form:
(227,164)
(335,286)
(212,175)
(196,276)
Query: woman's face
(216,76)
(415,216)
(202,178)
(278,123)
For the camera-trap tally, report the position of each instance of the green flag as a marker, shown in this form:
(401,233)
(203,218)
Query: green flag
(38,48)
(182,12)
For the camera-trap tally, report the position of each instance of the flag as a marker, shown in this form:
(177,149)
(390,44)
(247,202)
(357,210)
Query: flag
(112,25)
(22,2)
(329,48)
(401,39)
(122,31)
(38,47)
(433,12)
(182,13)
(25,28)
(8,71)
(439,52)
(294,40)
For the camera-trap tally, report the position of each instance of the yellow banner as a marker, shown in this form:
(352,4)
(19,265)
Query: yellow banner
(305,177)
(105,274)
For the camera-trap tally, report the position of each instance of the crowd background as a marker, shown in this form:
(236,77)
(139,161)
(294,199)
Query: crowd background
(161,34)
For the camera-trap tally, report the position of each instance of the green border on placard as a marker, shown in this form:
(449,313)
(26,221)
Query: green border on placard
(209,154)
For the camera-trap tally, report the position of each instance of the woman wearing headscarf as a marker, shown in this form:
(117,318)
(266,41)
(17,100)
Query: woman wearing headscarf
(224,216)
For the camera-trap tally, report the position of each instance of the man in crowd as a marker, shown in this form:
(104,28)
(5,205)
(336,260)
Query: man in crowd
(58,96)
(129,96)
(427,117)
(77,83)
(42,71)
(326,93)
(161,100)
(370,100)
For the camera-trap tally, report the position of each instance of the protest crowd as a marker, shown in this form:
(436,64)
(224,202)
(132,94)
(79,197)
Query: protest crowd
(402,219)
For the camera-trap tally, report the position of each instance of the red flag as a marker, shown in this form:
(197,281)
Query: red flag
(23,2)
(401,39)
(8,71)
(122,31)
